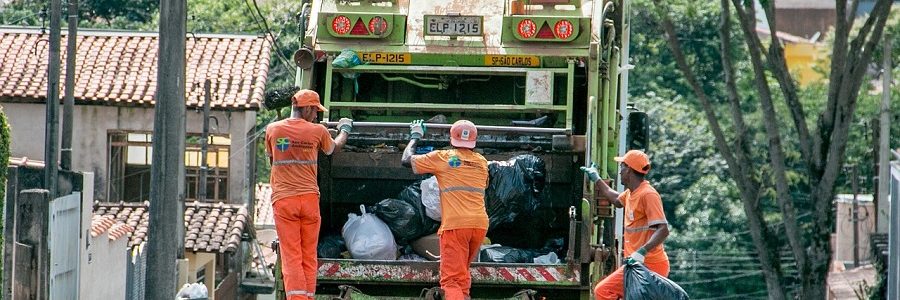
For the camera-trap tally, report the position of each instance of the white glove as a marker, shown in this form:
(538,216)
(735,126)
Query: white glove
(345,125)
(638,255)
(416,129)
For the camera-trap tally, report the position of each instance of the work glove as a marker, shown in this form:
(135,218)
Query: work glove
(416,129)
(637,256)
(591,172)
(345,125)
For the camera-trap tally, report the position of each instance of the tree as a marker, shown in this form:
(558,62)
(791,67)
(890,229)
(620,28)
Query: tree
(822,148)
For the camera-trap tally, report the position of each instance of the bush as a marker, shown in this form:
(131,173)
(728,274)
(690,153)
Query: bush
(4,158)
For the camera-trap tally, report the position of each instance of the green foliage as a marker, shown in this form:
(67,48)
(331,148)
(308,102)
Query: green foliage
(277,98)
(4,159)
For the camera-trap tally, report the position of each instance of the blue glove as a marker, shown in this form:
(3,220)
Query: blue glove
(417,129)
(345,125)
(591,172)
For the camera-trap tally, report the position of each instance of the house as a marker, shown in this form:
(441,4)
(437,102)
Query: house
(115,89)
(212,242)
(803,56)
(805,18)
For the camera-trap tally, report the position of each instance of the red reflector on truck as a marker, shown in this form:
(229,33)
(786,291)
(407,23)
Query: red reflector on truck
(545,32)
(359,28)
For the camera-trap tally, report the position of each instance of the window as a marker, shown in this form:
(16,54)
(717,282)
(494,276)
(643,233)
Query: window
(130,157)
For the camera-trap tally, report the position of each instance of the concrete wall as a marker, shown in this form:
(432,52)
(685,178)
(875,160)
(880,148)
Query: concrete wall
(104,274)
(93,124)
(844,231)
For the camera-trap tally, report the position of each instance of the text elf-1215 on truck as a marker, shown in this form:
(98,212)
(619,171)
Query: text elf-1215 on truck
(546,78)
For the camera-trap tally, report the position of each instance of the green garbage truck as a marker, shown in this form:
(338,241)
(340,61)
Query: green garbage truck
(541,77)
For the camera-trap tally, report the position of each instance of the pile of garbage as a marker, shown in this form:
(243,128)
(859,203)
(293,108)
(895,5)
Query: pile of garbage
(405,227)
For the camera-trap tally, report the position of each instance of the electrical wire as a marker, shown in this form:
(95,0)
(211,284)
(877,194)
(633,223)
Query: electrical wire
(270,37)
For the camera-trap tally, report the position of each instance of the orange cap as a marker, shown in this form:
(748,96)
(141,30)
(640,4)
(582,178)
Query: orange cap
(305,97)
(463,134)
(636,160)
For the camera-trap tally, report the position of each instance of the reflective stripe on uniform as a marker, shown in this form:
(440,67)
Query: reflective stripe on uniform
(296,292)
(463,188)
(639,229)
(294,162)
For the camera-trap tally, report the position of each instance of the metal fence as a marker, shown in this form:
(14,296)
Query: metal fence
(136,272)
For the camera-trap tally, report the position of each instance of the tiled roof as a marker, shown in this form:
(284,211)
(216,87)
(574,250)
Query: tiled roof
(119,68)
(101,224)
(209,227)
(264,217)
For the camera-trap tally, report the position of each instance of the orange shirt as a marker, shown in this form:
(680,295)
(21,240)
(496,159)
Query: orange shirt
(293,145)
(462,177)
(643,208)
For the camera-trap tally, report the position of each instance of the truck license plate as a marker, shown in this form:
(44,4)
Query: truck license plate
(453,25)
(385,58)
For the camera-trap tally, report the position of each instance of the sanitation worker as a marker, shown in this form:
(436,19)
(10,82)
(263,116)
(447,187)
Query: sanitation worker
(645,222)
(293,146)
(462,177)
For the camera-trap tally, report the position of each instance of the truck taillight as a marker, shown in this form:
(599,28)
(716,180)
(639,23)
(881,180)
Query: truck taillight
(563,29)
(341,25)
(359,28)
(545,33)
(378,25)
(527,28)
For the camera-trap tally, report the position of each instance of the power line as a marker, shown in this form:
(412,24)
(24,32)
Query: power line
(270,37)
(748,274)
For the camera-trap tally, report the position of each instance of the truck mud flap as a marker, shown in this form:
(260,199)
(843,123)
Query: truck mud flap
(338,271)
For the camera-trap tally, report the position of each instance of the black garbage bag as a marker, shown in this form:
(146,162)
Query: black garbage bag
(516,186)
(641,283)
(331,246)
(406,216)
(503,254)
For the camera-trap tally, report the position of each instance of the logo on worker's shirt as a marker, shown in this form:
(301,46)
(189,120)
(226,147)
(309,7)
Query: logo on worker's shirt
(454,161)
(282,144)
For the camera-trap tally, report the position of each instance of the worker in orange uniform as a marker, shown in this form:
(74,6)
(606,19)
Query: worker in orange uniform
(462,177)
(293,146)
(645,222)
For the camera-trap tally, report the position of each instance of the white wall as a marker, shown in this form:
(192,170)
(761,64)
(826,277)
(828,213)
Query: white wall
(94,122)
(104,273)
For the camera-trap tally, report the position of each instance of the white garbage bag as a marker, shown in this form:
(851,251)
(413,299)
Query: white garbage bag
(431,198)
(193,291)
(547,259)
(368,237)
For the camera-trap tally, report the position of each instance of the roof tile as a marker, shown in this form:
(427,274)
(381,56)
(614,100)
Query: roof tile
(119,68)
(207,225)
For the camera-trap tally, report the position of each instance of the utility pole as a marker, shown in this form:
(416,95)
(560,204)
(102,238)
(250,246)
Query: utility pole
(166,231)
(855,216)
(69,102)
(204,142)
(882,217)
(893,282)
(51,135)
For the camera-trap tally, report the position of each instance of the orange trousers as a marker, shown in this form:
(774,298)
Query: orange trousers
(613,286)
(458,249)
(297,223)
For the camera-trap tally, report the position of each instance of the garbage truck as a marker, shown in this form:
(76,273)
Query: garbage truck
(543,78)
